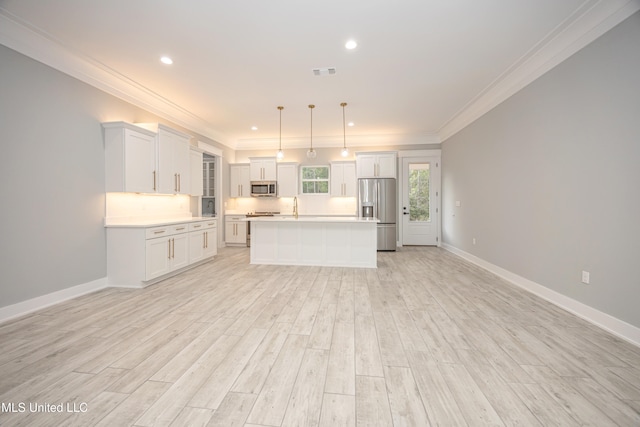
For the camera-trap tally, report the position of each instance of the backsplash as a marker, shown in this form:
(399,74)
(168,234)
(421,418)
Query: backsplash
(307,205)
(133,205)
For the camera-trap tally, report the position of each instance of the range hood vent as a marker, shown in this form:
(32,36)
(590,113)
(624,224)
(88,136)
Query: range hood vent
(327,71)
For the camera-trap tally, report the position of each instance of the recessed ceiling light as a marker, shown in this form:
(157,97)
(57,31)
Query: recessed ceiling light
(254,127)
(166,60)
(351,44)
(350,124)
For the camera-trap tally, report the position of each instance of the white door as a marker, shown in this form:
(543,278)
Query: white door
(420,200)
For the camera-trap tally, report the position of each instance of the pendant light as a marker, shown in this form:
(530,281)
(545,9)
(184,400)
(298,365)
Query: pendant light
(280,154)
(311,153)
(345,151)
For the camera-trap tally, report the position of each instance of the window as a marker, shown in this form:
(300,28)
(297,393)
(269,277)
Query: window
(419,177)
(315,179)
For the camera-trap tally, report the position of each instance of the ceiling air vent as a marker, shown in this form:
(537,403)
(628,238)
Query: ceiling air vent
(328,71)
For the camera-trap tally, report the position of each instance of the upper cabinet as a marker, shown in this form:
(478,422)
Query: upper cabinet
(130,159)
(239,182)
(263,168)
(197,180)
(287,179)
(173,161)
(146,158)
(376,165)
(343,179)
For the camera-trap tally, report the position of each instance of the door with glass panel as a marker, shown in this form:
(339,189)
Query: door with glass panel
(420,195)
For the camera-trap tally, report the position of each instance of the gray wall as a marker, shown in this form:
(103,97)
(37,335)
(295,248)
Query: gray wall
(52,177)
(548,181)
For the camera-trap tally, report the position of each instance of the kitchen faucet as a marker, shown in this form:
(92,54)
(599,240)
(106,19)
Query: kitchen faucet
(295,207)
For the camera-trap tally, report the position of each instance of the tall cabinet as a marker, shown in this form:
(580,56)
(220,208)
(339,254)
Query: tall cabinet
(239,181)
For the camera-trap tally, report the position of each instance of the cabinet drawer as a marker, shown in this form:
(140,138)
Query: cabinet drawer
(202,225)
(166,230)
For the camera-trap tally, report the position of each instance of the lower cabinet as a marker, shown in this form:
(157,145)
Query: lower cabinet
(235,230)
(203,240)
(166,254)
(138,256)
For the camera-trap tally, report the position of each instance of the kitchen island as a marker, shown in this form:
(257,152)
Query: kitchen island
(314,240)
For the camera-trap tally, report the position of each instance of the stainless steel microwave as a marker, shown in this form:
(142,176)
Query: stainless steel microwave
(264,188)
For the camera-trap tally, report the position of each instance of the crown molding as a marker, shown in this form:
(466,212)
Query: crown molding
(379,140)
(42,47)
(587,23)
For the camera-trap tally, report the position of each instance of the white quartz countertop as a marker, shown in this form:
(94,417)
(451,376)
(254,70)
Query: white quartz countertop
(333,219)
(152,222)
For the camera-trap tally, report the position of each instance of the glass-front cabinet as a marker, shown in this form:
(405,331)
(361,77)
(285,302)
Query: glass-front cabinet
(208,185)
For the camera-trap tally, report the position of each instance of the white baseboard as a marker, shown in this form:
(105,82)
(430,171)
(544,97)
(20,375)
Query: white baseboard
(603,320)
(25,307)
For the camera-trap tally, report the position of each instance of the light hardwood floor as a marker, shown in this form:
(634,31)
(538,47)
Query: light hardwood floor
(426,339)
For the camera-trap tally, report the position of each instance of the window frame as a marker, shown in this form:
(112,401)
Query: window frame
(303,180)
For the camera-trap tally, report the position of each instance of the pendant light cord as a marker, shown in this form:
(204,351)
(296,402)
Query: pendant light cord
(344,128)
(311,107)
(280,145)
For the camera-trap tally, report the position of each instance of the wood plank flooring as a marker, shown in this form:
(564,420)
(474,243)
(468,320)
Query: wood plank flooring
(426,339)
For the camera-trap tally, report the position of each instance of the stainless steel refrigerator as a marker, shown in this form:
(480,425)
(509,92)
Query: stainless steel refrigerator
(377,199)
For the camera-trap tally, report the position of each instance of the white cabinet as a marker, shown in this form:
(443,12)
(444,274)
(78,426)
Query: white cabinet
(288,179)
(197,181)
(146,158)
(239,182)
(376,165)
(130,158)
(208,178)
(263,169)
(235,230)
(167,253)
(203,239)
(140,255)
(343,179)
(174,164)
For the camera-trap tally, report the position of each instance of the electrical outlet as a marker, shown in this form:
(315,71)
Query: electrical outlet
(585,277)
(474,241)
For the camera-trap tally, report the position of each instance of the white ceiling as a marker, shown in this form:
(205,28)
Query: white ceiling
(423,69)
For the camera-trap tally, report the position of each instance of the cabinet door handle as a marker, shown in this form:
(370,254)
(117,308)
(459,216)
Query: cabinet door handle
(154,180)
(169,248)
(173,248)
(204,240)
(197,226)
(179,183)
(181,228)
(159,232)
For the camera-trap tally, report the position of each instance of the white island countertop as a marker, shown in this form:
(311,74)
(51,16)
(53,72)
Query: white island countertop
(332,241)
(313,218)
